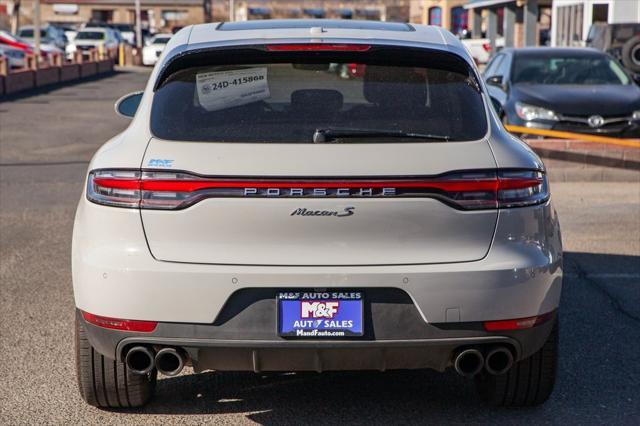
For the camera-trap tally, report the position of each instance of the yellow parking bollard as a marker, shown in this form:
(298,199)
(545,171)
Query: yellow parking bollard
(121,54)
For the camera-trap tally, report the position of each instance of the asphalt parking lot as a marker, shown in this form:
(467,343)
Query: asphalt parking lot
(46,141)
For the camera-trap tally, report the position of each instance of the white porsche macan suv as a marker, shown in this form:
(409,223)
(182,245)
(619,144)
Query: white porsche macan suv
(266,212)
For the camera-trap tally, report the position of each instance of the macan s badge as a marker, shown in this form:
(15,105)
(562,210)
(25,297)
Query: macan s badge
(347,211)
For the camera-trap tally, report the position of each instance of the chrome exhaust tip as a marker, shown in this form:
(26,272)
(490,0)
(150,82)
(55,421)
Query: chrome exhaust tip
(498,361)
(469,362)
(169,361)
(139,360)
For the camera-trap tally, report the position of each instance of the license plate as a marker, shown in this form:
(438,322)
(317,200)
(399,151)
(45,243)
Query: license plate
(320,314)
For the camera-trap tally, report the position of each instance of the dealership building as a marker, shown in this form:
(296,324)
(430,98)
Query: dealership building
(166,14)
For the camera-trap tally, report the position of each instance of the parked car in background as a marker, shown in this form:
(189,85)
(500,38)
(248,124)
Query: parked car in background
(49,35)
(118,36)
(480,48)
(622,41)
(127,32)
(8,39)
(570,89)
(69,32)
(152,51)
(92,38)
(16,58)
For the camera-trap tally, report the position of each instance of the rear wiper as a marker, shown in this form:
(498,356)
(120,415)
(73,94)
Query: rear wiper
(335,135)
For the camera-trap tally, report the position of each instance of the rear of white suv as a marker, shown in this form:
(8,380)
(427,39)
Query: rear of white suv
(262,213)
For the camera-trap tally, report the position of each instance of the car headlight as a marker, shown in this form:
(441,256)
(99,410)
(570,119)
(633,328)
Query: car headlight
(635,116)
(531,112)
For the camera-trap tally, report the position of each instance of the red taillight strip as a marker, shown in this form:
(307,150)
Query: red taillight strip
(518,183)
(120,324)
(118,183)
(318,47)
(199,184)
(517,324)
(195,185)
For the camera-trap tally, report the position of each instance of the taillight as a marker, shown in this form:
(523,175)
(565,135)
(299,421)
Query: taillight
(173,191)
(119,188)
(318,47)
(521,188)
(486,47)
(120,324)
(517,324)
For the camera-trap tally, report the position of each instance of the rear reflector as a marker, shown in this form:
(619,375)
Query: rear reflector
(318,47)
(120,324)
(517,324)
(175,190)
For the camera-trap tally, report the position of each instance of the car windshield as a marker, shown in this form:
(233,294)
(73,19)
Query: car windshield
(160,40)
(28,33)
(90,35)
(337,100)
(564,69)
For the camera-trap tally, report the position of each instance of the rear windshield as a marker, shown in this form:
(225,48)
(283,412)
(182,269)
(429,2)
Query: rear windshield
(381,97)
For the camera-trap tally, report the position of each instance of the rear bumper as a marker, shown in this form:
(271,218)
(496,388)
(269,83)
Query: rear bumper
(114,275)
(418,345)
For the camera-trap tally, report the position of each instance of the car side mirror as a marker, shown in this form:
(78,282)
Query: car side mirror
(495,80)
(127,105)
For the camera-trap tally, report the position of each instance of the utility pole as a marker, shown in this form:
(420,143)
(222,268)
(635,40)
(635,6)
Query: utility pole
(138,25)
(15,16)
(232,10)
(36,31)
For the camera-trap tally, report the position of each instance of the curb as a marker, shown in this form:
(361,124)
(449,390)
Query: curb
(580,161)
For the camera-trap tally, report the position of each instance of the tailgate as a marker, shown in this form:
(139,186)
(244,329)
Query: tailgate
(269,229)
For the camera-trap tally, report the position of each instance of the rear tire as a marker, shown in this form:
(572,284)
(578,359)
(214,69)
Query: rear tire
(528,383)
(107,383)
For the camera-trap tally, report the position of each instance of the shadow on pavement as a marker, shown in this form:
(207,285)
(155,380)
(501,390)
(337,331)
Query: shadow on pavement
(598,376)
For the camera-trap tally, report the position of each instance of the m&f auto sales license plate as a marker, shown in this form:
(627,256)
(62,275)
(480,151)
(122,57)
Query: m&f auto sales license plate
(320,314)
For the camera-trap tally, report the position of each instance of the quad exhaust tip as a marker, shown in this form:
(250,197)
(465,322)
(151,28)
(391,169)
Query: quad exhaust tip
(169,361)
(498,361)
(139,360)
(469,362)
